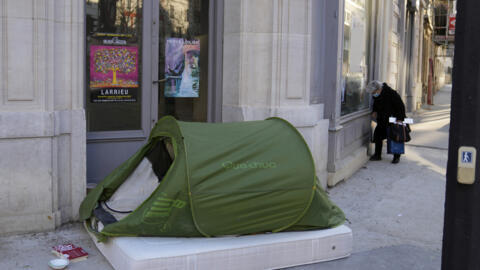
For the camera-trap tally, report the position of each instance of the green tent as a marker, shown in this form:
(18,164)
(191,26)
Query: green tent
(212,179)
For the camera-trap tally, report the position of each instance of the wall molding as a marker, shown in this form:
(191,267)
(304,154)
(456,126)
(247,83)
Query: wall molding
(290,85)
(19,125)
(50,53)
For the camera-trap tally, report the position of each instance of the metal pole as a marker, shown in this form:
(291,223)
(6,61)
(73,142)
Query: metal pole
(461,239)
(431,54)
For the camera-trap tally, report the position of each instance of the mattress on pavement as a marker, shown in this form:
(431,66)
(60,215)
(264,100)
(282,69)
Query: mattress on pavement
(261,251)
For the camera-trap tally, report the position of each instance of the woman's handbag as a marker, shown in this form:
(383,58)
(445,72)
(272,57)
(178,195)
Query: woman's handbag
(397,135)
(399,132)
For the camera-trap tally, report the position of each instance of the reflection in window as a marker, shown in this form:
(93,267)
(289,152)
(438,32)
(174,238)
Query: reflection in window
(113,16)
(354,67)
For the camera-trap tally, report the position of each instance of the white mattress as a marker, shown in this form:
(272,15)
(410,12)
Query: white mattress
(262,251)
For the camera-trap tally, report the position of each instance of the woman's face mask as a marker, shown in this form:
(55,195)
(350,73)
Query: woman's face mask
(376,94)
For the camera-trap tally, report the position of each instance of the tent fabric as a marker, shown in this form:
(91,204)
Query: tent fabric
(225,179)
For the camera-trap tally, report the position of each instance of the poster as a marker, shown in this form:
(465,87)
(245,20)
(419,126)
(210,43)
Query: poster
(113,73)
(182,70)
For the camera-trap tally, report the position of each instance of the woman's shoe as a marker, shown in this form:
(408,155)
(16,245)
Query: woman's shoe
(396,159)
(375,158)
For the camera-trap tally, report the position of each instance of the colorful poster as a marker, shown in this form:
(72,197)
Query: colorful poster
(182,70)
(114,73)
(113,66)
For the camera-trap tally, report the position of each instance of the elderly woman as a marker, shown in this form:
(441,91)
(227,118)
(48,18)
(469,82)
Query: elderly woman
(386,103)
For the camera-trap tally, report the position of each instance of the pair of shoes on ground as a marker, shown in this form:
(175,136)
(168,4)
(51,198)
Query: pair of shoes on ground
(376,158)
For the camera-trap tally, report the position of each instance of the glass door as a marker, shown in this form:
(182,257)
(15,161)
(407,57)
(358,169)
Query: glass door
(117,97)
(146,59)
(183,59)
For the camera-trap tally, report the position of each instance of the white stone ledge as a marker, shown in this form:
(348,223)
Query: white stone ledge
(37,124)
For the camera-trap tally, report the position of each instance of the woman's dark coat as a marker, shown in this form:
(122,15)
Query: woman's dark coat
(387,104)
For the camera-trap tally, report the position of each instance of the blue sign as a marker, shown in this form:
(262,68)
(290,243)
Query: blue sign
(466,157)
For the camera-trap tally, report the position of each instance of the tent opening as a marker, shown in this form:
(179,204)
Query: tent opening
(141,183)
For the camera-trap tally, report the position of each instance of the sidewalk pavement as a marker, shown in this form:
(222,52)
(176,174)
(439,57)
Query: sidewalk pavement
(394,210)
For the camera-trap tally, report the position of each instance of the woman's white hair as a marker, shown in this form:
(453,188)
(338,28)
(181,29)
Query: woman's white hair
(374,85)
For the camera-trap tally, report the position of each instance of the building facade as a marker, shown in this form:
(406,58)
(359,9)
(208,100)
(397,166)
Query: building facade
(42,115)
(84,81)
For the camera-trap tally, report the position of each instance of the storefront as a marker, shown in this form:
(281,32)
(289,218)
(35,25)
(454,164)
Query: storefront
(349,106)
(134,78)
(84,81)
(146,59)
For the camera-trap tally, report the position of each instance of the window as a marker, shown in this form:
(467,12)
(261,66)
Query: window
(355,55)
(114,60)
(183,60)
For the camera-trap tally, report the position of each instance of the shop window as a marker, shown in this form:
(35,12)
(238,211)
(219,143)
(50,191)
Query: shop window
(114,49)
(355,54)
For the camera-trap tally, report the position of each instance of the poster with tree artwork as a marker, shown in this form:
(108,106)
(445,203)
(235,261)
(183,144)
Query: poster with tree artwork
(113,66)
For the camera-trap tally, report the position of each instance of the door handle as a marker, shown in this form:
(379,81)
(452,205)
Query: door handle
(160,81)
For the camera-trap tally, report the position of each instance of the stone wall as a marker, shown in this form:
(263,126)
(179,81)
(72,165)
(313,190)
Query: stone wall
(42,120)
(267,68)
